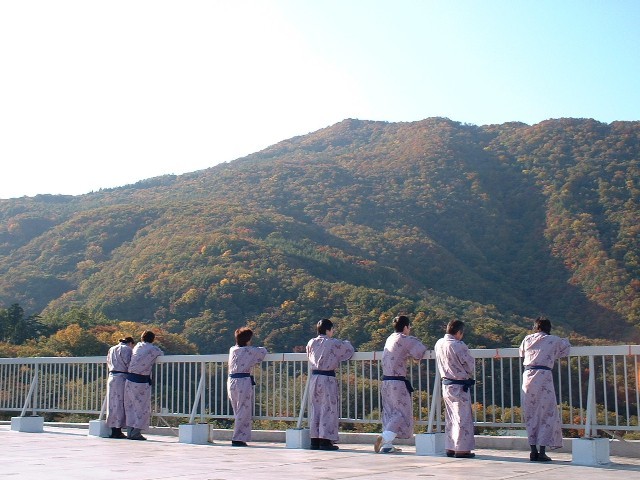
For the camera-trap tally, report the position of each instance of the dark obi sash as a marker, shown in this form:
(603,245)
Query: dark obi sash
(537,367)
(136,378)
(470,382)
(326,373)
(243,375)
(407,383)
(116,371)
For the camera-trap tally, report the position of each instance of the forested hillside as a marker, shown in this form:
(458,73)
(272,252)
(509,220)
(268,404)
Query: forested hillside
(359,221)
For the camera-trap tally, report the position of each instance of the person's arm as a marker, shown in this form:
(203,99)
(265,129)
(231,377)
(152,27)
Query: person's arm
(126,356)
(417,349)
(159,352)
(564,347)
(345,350)
(261,352)
(467,361)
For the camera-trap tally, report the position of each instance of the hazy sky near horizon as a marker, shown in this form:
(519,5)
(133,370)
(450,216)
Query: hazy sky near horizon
(103,94)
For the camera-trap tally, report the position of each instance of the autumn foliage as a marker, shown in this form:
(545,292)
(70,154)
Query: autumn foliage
(359,221)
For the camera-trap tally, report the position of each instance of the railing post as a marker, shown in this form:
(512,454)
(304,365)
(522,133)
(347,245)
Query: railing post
(439,409)
(299,437)
(199,397)
(196,433)
(435,402)
(590,450)
(33,423)
(591,400)
(432,443)
(103,409)
(305,397)
(203,369)
(98,428)
(30,395)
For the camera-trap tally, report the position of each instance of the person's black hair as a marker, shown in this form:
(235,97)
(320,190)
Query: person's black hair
(324,325)
(400,322)
(148,336)
(243,335)
(127,340)
(455,326)
(542,324)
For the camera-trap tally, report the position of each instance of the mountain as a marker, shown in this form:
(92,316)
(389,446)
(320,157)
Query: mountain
(359,221)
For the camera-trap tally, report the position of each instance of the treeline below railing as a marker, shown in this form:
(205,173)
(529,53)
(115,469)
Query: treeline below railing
(596,387)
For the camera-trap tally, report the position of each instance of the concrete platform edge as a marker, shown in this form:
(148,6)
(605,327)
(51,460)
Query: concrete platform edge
(621,448)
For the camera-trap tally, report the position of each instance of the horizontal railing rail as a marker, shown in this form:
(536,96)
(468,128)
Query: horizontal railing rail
(597,387)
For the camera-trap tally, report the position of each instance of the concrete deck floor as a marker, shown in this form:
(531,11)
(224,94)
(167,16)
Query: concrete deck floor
(67,453)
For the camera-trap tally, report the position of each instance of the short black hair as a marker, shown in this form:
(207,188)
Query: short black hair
(127,340)
(324,325)
(455,326)
(148,336)
(243,335)
(542,324)
(400,322)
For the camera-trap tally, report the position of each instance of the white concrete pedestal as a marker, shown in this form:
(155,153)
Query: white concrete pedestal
(298,438)
(590,451)
(430,444)
(195,434)
(98,428)
(27,424)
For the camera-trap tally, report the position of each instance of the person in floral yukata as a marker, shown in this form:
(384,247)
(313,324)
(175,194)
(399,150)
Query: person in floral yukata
(242,358)
(456,367)
(118,360)
(397,406)
(540,351)
(137,390)
(325,354)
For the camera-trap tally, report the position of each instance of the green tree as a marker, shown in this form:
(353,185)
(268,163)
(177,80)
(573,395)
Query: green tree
(16,328)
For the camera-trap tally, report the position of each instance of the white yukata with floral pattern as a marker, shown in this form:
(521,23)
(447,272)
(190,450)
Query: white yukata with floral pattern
(118,360)
(137,396)
(325,353)
(240,390)
(397,405)
(539,404)
(456,363)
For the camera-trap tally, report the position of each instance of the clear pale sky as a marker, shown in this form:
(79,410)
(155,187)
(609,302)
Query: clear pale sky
(99,94)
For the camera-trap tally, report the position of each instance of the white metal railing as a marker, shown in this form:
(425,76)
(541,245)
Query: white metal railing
(597,387)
